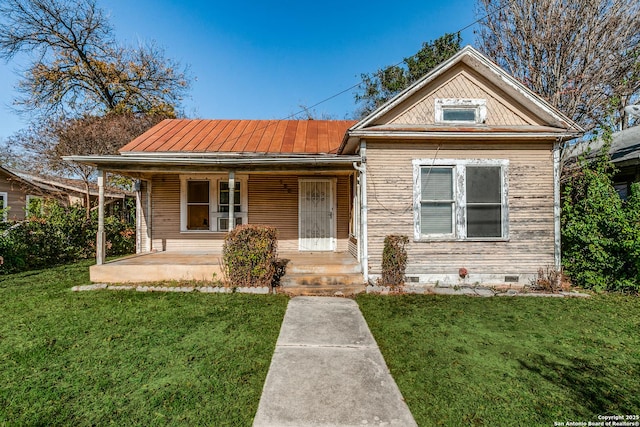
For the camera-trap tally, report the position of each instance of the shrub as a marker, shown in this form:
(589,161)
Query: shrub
(548,279)
(600,234)
(121,236)
(249,255)
(394,260)
(59,234)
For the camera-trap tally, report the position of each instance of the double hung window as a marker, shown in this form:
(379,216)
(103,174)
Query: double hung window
(223,204)
(198,203)
(436,201)
(205,203)
(461,199)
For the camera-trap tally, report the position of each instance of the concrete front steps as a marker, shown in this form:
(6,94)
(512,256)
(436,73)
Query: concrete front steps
(329,274)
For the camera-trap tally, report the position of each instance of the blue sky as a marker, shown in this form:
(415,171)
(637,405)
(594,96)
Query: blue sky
(260,60)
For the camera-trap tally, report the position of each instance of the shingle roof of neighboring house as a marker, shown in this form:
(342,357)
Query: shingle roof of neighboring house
(55,184)
(241,136)
(625,147)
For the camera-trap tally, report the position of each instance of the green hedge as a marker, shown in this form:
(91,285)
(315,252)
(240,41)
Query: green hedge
(58,235)
(600,232)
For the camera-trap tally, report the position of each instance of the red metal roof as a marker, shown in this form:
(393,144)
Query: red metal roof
(241,136)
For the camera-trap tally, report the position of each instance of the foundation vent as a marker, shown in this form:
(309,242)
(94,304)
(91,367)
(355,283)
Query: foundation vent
(511,279)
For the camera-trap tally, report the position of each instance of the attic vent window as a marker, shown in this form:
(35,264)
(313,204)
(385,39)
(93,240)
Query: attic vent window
(465,111)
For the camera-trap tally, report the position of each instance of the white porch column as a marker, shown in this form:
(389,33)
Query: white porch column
(138,188)
(363,244)
(232,196)
(100,244)
(149,221)
(557,250)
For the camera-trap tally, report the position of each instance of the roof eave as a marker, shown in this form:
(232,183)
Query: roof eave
(147,160)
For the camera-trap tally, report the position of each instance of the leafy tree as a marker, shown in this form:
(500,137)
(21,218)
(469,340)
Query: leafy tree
(46,142)
(600,232)
(578,54)
(380,86)
(78,68)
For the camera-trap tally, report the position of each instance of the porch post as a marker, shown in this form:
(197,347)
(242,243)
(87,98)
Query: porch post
(232,189)
(138,188)
(363,244)
(149,220)
(557,250)
(100,244)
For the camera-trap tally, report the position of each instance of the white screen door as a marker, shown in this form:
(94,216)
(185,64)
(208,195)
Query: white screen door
(316,215)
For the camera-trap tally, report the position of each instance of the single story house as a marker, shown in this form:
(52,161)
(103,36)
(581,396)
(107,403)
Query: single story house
(18,188)
(465,162)
(16,193)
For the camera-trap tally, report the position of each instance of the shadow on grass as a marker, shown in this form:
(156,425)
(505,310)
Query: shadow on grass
(596,387)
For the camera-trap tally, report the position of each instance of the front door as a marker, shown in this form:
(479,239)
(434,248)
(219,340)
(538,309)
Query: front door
(316,208)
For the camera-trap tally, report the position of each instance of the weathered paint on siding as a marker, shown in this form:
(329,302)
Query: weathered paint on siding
(462,83)
(531,220)
(272,200)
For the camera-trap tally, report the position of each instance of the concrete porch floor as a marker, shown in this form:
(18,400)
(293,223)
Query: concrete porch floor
(307,272)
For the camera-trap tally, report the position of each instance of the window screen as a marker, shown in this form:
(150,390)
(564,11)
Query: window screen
(436,210)
(484,201)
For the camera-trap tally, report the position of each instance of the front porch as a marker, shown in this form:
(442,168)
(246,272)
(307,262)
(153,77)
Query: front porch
(307,272)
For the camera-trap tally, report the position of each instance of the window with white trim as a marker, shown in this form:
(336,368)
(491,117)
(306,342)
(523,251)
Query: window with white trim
(460,199)
(460,111)
(437,201)
(198,204)
(223,204)
(204,202)
(4,203)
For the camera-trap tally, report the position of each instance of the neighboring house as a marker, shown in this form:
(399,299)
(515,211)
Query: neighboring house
(74,191)
(465,162)
(16,192)
(625,155)
(17,188)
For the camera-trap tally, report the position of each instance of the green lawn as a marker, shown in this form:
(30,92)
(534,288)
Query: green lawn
(130,358)
(510,361)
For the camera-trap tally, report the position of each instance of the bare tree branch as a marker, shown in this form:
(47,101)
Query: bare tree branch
(579,54)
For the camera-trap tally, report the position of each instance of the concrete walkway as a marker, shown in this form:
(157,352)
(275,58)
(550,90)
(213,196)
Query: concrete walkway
(327,370)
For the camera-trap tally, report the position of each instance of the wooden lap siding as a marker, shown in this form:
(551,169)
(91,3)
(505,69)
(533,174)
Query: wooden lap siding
(272,200)
(17,198)
(531,225)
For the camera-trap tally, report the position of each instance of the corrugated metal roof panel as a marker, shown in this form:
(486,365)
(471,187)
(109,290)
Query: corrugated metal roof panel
(241,136)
